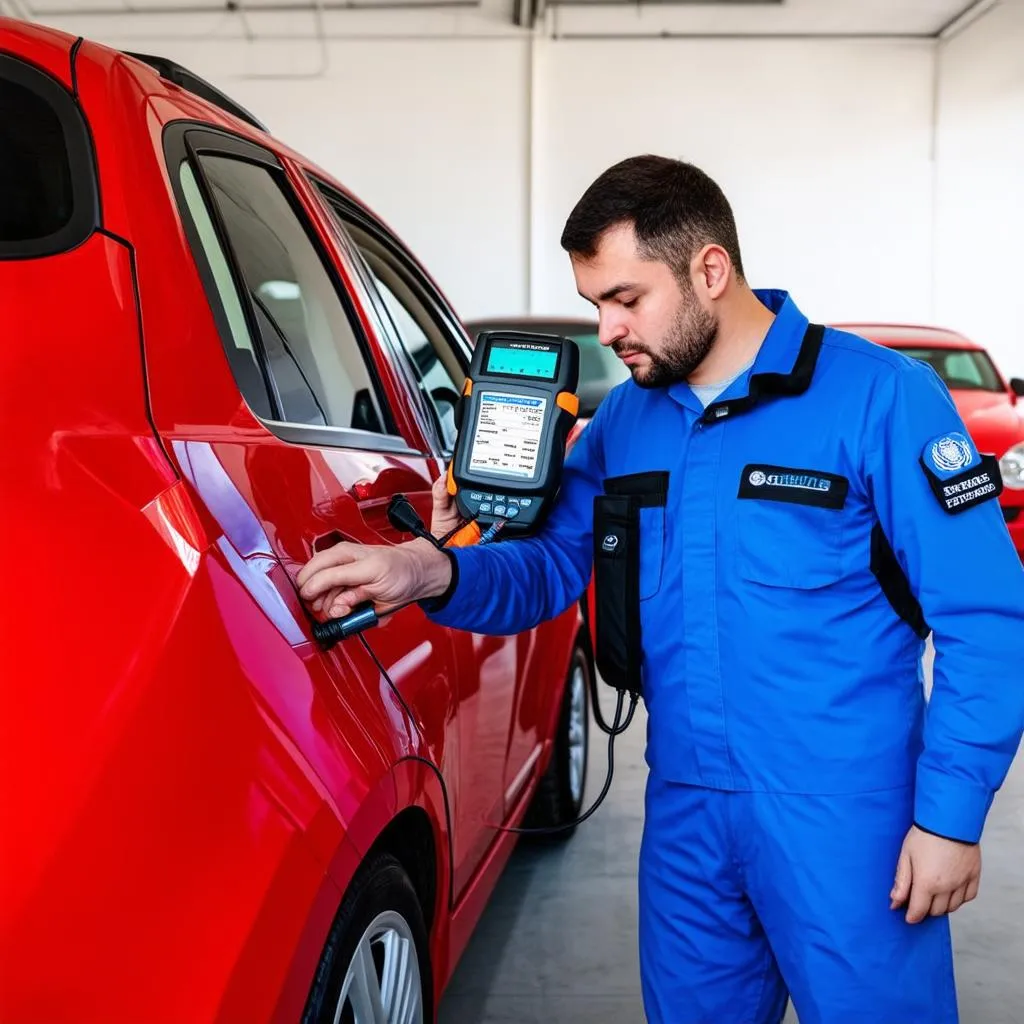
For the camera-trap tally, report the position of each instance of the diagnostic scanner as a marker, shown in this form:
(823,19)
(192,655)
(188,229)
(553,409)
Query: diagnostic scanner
(517,408)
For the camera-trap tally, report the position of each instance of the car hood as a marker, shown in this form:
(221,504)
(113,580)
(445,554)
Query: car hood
(994,423)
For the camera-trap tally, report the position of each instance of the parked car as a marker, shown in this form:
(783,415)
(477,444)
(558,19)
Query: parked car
(988,403)
(207,377)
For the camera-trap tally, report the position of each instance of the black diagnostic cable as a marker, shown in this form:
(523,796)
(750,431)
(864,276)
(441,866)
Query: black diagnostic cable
(404,518)
(615,729)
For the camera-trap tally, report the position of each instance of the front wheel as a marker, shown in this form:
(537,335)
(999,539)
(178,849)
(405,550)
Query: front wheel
(559,797)
(375,968)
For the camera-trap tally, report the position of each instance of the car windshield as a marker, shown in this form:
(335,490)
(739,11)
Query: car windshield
(963,369)
(600,368)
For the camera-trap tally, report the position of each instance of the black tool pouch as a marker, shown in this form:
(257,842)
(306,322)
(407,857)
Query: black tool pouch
(617,539)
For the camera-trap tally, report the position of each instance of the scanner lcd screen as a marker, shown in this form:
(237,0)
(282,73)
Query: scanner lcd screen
(522,361)
(508,430)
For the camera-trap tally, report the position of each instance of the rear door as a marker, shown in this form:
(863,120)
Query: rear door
(505,694)
(430,351)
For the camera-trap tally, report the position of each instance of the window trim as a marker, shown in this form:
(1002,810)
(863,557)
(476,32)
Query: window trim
(85,197)
(345,209)
(187,141)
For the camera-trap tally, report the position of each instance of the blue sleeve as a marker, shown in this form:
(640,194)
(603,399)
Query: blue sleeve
(969,581)
(514,585)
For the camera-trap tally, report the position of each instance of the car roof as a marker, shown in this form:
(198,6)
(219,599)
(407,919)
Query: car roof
(897,335)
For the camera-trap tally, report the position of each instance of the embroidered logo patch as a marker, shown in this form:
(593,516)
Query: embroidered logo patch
(981,481)
(950,454)
(798,486)
(610,543)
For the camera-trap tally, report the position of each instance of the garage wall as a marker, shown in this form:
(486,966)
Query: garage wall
(979,196)
(823,149)
(474,139)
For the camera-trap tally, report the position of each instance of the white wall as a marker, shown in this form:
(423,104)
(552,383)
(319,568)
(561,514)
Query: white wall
(822,148)
(474,139)
(979,269)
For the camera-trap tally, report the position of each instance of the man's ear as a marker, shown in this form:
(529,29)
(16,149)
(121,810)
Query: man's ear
(710,270)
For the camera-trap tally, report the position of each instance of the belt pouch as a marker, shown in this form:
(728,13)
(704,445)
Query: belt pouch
(617,589)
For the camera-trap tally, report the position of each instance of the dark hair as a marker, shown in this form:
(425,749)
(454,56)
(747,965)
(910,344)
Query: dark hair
(674,207)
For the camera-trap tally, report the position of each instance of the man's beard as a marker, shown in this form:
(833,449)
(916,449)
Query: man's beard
(685,347)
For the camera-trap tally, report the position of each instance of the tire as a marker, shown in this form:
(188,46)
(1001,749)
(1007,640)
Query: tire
(379,918)
(559,797)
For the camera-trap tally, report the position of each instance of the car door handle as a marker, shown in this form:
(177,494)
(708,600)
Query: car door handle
(328,540)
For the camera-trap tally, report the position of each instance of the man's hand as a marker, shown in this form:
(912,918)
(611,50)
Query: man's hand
(335,581)
(935,876)
(445,516)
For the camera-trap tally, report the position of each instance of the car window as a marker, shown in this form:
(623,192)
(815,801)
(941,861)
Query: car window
(242,355)
(436,383)
(47,173)
(300,338)
(600,370)
(964,369)
(412,317)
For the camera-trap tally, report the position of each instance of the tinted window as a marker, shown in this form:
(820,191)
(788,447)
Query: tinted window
(47,186)
(965,369)
(436,383)
(242,354)
(411,314)
(317,370)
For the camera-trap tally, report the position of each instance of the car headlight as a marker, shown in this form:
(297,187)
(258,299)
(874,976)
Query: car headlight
(1011,465)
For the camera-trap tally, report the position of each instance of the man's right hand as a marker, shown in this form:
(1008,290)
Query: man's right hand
(335,581)
(444,515)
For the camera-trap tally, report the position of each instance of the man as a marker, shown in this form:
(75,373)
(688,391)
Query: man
(810,823)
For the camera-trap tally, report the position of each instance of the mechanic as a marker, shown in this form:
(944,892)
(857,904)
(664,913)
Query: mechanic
(814,507)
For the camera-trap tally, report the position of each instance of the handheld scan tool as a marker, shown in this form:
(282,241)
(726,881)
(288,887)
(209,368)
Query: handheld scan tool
(517,408)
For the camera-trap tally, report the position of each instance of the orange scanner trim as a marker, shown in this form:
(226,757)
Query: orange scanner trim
(569,402)
(468,387)
(466,537)
(452,486)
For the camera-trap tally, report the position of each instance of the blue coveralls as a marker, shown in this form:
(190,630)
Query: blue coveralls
(789,743)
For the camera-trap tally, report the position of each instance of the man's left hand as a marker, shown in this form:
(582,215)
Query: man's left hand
(935,876)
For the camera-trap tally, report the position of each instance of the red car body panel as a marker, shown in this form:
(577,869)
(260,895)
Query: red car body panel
(191,782)
(994,419)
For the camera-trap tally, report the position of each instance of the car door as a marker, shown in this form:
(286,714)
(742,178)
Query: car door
(505,694)
(318,445)
(428,347)
(342,429)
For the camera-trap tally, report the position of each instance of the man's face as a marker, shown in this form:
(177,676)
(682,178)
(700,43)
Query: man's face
(656,326)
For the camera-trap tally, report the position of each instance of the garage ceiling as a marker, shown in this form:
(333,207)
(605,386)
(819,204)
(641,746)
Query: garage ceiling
(702,18)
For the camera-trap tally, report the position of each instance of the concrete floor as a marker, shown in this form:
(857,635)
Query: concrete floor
(558,941)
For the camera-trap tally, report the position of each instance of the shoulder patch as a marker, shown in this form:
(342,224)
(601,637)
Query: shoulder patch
(950,454)
(959,477)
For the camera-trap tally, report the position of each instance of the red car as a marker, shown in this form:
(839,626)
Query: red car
(215,362)
(987,402)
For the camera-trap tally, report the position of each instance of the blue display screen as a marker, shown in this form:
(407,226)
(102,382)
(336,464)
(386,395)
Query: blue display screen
(522,360)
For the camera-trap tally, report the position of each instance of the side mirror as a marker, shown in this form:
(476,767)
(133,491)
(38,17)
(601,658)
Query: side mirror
(1017,386)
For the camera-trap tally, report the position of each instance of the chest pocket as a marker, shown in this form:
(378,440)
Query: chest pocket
(790,526)
(649,492)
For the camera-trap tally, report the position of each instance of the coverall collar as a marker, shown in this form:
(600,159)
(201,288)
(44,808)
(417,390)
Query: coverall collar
(783,364)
